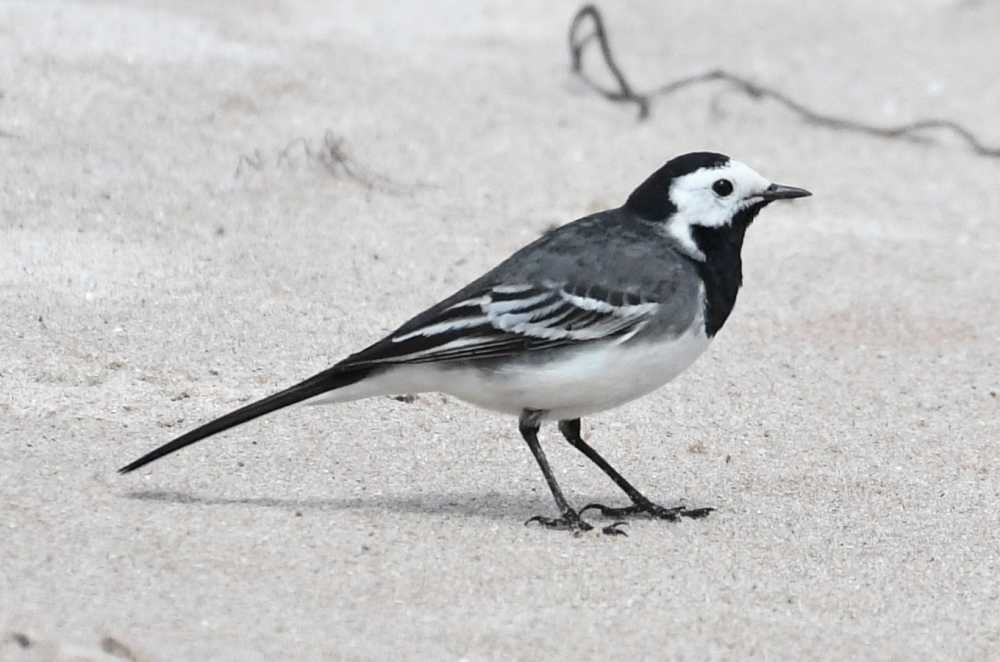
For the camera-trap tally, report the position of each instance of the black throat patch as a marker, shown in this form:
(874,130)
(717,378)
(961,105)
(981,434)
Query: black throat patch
(722,270)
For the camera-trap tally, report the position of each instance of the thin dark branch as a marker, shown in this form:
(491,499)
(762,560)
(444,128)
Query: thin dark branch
(576,47)
(626,94)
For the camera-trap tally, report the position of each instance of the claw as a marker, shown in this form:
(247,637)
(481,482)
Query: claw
(613,530)
(650,510)
(570,521)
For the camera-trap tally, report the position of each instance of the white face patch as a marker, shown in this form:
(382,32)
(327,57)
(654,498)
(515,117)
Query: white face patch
(698,203)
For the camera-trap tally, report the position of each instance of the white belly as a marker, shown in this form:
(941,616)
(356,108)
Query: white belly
(583,382)
(577,384)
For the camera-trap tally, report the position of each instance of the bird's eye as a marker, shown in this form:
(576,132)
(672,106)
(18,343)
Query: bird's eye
(722,187)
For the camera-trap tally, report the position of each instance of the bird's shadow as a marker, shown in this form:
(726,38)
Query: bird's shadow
(489,505)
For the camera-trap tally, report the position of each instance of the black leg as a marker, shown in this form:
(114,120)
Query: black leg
(569,519)
(640,504)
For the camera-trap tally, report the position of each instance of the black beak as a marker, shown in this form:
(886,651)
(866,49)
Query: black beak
(779,192)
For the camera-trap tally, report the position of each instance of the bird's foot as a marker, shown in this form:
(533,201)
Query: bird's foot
(651,510)
(571,521)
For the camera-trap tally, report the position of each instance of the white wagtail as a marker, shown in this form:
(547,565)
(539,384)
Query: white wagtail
(594,314)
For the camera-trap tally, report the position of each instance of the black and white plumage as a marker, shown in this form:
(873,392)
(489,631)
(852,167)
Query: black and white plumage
(592,315)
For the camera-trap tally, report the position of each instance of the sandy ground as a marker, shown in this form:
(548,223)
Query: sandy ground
(169,249)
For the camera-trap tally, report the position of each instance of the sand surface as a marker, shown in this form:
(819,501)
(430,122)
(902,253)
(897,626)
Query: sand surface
(173,243)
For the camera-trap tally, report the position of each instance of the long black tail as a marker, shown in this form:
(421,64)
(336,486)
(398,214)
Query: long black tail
(328,380)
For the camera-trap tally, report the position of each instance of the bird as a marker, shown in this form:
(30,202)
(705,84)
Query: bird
(591,315)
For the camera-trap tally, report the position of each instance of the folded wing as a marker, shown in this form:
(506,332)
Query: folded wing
(501,320)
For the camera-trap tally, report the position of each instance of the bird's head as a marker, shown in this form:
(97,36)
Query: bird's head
(705,199)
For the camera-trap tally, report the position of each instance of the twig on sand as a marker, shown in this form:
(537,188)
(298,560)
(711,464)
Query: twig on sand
(580,39)
(253,161)
(330,154)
